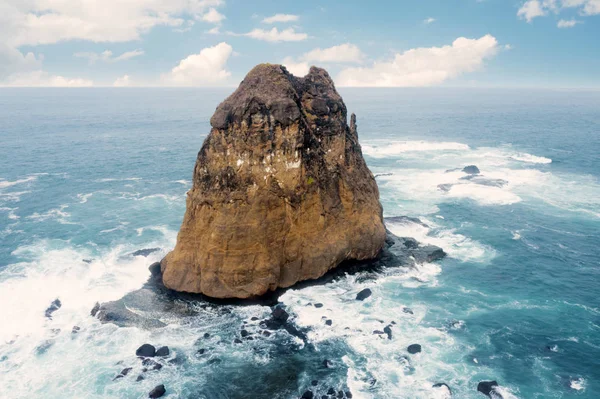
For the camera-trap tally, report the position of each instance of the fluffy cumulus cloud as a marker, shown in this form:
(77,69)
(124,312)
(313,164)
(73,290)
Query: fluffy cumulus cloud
(274,35)
(207,68)
(42,22)
(107,56)
(213,16)
(280,18)
(346,53)
(424,66)
(33,22)
(531,9)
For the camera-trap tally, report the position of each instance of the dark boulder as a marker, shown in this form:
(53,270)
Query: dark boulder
(364,294)
(308,395)
(154,269)
(54,306)
(280,315)
(123,373)
(487,387)
(146,350)
(318,305)
(163,351)
(414,348)
(329,322)
(471,170)
(157,392)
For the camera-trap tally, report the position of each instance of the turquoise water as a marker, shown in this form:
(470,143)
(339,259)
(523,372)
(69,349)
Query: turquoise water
(97,174)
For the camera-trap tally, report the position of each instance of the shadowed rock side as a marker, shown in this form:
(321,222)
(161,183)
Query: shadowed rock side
(281,192)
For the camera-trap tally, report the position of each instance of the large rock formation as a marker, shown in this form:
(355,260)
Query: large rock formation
(281,192)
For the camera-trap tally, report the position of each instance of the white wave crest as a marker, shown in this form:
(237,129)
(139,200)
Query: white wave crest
(6,183)
(400,147)
(528,158)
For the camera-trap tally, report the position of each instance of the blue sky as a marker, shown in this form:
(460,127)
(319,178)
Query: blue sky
(483,43)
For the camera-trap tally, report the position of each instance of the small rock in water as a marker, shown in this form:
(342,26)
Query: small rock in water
(326,363)
(308,395)
(123,373)
(139,378)
(254,318)
(54,306)
(314,383)
(163,351)
(266,333)
(487,387)
(146,350)
(244,333)
(329,322)
(378,332)
(157,392)
(331,391)
(206,335)
(364,294)
(471,170)
(95,309)
(202,350)
(408,310)
(349,394)
(75,329)
(237,341)
(318,305)
(414,348)
(280,315)
(388,331)
(88,261)
(145,251)
(151,363)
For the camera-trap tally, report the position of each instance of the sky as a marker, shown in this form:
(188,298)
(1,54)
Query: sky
(378,43)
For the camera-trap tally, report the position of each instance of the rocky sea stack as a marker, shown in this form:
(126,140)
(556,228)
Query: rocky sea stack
(281,192)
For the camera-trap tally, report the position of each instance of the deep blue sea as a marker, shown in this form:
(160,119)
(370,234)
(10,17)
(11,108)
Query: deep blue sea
(95,174)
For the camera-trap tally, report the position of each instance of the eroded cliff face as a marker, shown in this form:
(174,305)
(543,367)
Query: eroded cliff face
(281,192)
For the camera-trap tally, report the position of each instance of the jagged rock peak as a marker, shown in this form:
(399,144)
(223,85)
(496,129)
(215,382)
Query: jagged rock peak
(281,192)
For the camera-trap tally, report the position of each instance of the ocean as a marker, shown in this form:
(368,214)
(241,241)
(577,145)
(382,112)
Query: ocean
(89,176)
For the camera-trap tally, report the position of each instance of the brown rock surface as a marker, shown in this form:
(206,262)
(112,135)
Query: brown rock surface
(281,192)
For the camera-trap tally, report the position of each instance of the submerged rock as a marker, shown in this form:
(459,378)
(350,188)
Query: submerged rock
(281,192)
(54,306)
(145,252)
(414,348)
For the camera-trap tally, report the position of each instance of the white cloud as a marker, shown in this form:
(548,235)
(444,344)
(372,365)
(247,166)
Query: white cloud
(33,22)
(531,9)
(12,60)
(280,18)
(123,81)
(213,16)
(203,69)
(564,23)
(429,21)
(296,68)
(41,78)
(424,66)
(344,53)
(274,35)
(538,8)
(107,56)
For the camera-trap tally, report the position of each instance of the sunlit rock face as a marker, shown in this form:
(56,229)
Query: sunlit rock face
(281,192)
